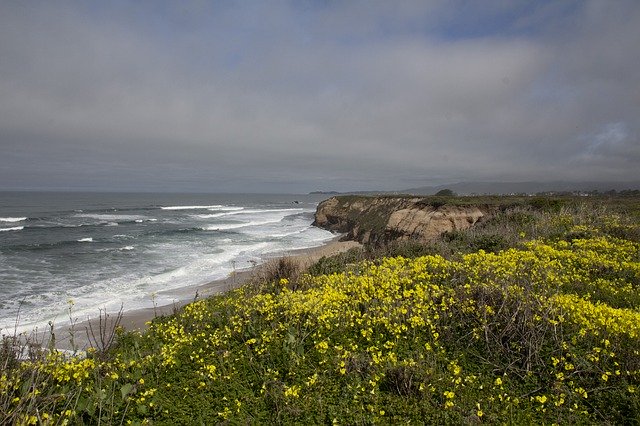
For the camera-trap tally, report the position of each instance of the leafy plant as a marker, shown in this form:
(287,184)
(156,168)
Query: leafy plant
(531,318)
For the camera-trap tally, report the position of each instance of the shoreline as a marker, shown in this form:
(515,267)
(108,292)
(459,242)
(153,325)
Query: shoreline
(137,319)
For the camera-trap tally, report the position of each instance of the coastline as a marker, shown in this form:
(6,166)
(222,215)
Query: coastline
(137,319)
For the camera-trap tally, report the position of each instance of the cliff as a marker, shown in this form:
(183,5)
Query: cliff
(382,219)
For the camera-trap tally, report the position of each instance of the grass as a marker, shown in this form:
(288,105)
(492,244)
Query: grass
(367,220)
(531,318)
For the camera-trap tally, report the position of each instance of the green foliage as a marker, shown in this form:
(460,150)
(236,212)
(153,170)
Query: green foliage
(272,272)
(445,193)
(404,248)
(547,204)
(341,262)
(531,318)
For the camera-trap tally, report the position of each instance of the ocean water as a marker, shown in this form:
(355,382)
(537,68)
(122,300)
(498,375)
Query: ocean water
(92,251)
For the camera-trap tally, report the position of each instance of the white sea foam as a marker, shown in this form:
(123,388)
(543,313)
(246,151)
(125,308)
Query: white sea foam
(260,211)
(110,217)
(260,217)
(287,234)
(192,207)
(223,227)
(138,292)
(12,219)
(15,228)
(226,209)
(213,215)
(245,212)
(157,263)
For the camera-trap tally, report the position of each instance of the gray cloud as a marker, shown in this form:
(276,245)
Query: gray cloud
(316,95)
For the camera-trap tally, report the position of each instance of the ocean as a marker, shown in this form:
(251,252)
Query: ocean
(82,252)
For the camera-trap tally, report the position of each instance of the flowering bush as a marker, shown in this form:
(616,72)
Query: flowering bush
(547,331)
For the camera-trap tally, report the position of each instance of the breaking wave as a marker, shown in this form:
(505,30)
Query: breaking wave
(15,228)
(12,219)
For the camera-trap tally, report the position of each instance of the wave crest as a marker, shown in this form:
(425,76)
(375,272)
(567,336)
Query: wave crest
(216,206)
(15,228)
(12,219)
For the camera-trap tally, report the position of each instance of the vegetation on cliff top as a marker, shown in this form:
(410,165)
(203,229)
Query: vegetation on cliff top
(533,318)
(366,218)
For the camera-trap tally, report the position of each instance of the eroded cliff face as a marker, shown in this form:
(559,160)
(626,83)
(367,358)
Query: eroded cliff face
(382,219)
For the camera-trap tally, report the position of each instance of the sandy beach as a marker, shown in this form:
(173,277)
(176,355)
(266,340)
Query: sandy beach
(137,319)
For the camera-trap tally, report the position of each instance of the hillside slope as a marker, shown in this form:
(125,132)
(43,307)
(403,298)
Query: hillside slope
(543,330)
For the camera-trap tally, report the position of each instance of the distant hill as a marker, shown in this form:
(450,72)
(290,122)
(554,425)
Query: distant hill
(468,188)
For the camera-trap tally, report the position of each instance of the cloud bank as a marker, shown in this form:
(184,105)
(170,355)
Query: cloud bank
(296,96)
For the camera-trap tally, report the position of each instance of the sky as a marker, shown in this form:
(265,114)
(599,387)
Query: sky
(306,95)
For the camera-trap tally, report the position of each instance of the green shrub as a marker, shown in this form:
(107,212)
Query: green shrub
(547,204)
(338,263)
(445,193)
(537,327)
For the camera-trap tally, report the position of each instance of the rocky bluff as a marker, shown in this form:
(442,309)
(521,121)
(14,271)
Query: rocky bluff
(382,219)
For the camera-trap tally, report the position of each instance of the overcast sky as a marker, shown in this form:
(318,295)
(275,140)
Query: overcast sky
(296,96)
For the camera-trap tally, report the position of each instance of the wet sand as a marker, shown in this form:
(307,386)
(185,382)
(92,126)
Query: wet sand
(137,319)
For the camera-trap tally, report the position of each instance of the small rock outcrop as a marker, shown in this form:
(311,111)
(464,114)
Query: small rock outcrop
(378,220)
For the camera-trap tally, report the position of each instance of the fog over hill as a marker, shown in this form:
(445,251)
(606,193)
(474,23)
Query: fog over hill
(469,188)
(505,188)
